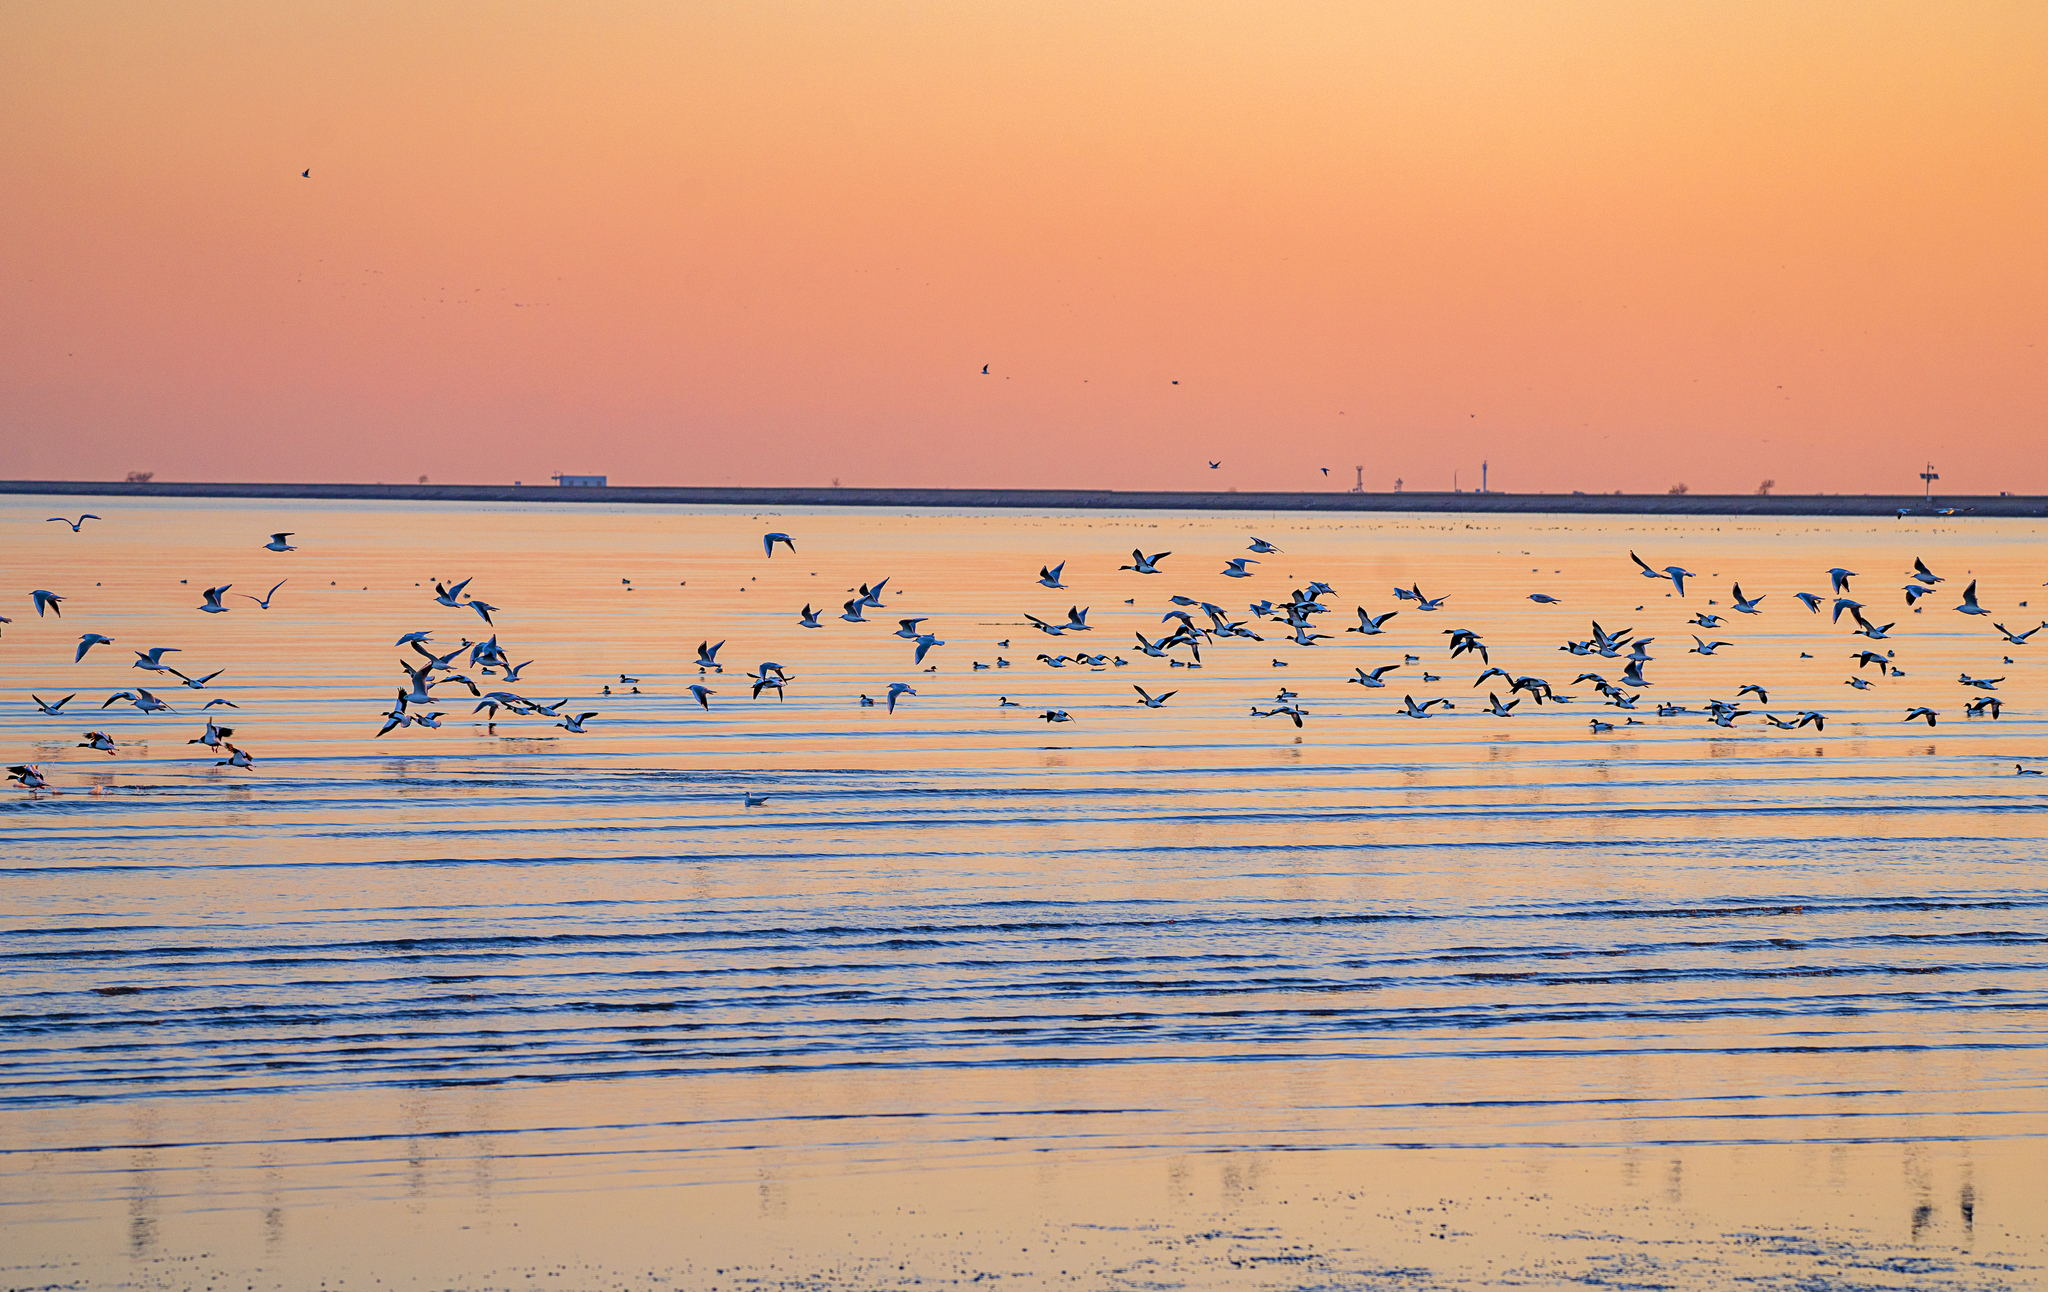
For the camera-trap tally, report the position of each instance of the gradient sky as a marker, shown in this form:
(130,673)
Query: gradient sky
(1604,246)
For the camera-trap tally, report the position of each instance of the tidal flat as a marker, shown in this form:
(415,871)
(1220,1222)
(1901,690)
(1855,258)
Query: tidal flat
(775,989)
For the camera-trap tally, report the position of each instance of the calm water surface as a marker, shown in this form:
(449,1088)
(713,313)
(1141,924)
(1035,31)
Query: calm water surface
(447,970)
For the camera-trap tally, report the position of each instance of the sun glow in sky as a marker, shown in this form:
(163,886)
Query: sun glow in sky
(1602,246)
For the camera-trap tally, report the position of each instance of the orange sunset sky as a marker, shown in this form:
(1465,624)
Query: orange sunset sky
(1604,246)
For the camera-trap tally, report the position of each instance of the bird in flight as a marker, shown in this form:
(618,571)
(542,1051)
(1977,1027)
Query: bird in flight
(768,542)
(153,659)
(264,600)
(277,544)
(27,774)
(1213,465)
(75,524)
(306,173)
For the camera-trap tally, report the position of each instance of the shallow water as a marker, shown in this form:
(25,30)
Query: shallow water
(461,967)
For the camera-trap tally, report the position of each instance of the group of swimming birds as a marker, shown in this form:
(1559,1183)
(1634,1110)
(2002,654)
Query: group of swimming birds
(426,669)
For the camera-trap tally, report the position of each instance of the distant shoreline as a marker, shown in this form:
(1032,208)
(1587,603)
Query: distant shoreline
(1040,500)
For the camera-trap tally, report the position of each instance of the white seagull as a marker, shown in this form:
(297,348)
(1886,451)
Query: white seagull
(89,641)
(277,544)
(153,659)
(263,602)
(768,542)
(213,596)
(140,698)
(75,524)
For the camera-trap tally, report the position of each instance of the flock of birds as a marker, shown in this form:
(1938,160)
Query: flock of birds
(1196,624)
